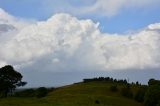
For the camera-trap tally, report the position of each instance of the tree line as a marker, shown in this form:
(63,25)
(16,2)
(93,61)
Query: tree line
(106,79)
(149,94)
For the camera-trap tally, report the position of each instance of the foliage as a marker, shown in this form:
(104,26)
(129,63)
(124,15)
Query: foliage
(9,80)
(113,88)
(152,95)
(139,96)
(126,91)
(41,92)
(25,93)
(153,82)
(106,79)
(97,102)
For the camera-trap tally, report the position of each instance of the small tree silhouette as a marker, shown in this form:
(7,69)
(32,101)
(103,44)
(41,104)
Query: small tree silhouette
(9,80)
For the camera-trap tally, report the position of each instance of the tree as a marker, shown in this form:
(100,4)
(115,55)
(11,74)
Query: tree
(139,95)
(9,80)
(152,96)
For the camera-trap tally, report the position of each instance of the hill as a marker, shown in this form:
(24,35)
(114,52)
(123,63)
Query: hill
(94,93)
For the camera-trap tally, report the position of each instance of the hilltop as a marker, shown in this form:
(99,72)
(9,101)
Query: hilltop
(90,93)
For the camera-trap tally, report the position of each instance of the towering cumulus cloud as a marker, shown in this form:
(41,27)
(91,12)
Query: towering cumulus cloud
(65,43)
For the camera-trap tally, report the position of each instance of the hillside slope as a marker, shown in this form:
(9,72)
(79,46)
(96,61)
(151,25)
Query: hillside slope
(80,94)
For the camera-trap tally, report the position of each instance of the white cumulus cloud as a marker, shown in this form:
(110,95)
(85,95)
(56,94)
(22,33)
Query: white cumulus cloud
(65,43)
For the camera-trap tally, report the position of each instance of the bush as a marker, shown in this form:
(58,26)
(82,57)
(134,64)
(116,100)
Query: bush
(126,91)
(25,93)
(97,102)
(158,103)
(41,92)
(152,96)
(139,96)
(113,88)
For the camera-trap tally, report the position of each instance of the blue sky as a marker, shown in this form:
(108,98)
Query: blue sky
(126,19)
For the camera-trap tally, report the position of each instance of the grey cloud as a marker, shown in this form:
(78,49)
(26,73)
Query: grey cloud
(5,28)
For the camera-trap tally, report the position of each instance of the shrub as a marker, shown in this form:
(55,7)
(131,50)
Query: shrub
(139,96)
(158,103)
(113,88)
(152,96)
(97,102)
(25,93)
(41,92)
(126,91)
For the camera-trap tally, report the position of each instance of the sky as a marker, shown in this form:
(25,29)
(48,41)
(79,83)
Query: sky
(58,42)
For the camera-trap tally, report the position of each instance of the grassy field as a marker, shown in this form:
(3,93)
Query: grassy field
(82,94)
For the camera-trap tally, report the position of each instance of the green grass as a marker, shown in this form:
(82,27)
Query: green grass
(82,94)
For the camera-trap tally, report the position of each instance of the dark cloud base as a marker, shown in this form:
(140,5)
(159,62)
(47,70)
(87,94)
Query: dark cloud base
(54,79)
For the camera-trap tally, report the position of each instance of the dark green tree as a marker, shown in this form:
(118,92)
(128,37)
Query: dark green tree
(9,80)
(139,95)
(152,96)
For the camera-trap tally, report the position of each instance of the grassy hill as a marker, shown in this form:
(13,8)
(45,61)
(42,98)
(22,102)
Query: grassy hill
(81,94)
